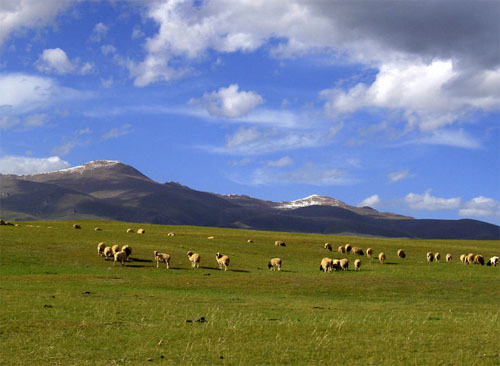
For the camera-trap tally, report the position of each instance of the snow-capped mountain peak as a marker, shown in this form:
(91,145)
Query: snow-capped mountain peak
(90,166)
(312,200)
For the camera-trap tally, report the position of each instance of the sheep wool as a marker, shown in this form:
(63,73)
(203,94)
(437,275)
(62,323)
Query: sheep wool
(341,249)
(121,257)
(463,258)
(194,258)
(100,249)
(222,260)
(348,248)
(357,264)
(369,252)
(274,263)
(328,246)
(76,226)
(108,252)
(437,257)
(115,248)
(479,259)
(127,249)
(430,257)
(141,231)
(326,265)
(162,258)
(357,251)
(280,243)
(448,257)
(344,264)
(401,254)
(129,230)
(381,257)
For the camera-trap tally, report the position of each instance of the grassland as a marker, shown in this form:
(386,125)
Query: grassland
(64,305)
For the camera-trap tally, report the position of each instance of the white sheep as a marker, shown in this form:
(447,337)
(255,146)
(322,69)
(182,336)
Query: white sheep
(280,243)
(162,258)
(348,248)
(141,231)
(430,257)
(470,258)
(357,251)
(437,256)
(448,257)
(121,257)
(369,252)
(249,241)
(344,264)
(100,249)
(76,226)
(274,263)
(463,258)
(129,230)
(194,258)
(171,234)
(222,260)
(326,265)
(479,259)
(401,254)
(357,264)
(127,249)
(492,261)
(327,246)
(211,237)
(336,264)
(341,249)
(381,257)
(108,253)
(115,249)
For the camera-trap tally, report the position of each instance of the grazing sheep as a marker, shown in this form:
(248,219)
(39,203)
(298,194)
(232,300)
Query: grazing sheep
(357,264)
(249,241)
(448,257)
(479,259)
(274,263)
(280,243)
(108,253)
(326,265)
(336,264)
(222,260)
(437,256)
(369,252)
(401,254)
(141,231)
(327,246)
(171,234)
(470,258)
(463,258)
(492,261)
(121,257)
(211,237)
(430,257)
(76,226)
(381,258)
(348,248)
(162,258)
(341,249)
(97,229)
(344,264)
(194,258)
(115,248)
(129,230)
(127,249)
(357,251)
(100,249)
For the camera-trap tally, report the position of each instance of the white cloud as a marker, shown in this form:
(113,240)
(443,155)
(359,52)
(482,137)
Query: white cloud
(428,202)
(36,120)
(65,148)
(137,33)
(99,32)
(108,49)
(19,15)
(284,161)
(7,122)
(421,91)
(481,207)
(229,102)
(449,137)
(371,201)
(118,132)
(54,60)
(20,93)
(397,176)
(87,68)
(23,165)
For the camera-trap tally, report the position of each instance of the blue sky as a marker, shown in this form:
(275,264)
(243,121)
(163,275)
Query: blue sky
(394,105)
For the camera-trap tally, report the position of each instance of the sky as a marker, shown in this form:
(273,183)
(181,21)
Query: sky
(389,104)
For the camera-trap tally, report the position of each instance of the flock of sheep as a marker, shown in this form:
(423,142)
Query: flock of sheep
(327,264)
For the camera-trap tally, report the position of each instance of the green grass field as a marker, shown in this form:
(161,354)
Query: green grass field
(64,305)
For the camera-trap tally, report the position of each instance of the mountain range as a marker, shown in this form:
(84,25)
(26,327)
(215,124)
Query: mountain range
(111,190)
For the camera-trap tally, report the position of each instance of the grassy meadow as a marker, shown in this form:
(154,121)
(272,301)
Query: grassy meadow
(61,304)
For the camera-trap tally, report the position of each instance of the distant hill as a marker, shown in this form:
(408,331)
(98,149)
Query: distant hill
(115,191)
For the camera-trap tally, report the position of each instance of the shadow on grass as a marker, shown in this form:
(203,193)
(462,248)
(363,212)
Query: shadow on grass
(140,260)
(391,263)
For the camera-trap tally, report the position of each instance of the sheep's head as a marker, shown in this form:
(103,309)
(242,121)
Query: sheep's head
(218,256)
(189,254)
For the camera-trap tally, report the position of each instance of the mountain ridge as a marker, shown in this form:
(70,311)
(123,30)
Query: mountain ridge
(113,190)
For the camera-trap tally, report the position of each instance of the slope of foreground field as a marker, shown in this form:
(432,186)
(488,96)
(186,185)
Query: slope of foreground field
(64,305)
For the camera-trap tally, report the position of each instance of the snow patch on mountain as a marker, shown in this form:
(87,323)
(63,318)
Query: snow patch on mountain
(313,200)
(90,166)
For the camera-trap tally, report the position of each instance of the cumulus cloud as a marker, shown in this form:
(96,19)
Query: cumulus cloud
(19,15)
(36,120)
(20,165)
(229,102)
(428,202)
(99,32)
(371,201)
(54,60)
(481,207)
